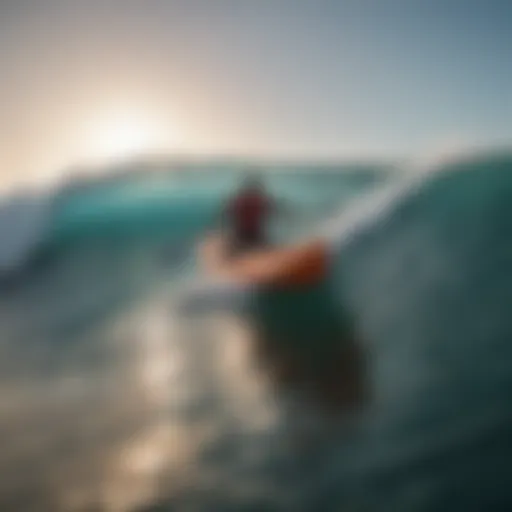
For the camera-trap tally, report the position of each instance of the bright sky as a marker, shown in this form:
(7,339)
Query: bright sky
(88,80)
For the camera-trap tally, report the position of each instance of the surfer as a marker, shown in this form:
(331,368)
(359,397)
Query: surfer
(246,215)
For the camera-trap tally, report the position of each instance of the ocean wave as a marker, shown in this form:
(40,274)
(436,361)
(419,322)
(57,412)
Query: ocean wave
(177,420)
(141,205)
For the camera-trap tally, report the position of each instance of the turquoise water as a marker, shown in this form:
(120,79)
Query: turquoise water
(110,401)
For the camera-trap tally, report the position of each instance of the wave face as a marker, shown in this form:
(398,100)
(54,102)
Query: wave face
(430,280)
(178,414)
(183,205)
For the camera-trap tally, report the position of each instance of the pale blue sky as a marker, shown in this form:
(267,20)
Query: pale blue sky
(299,78)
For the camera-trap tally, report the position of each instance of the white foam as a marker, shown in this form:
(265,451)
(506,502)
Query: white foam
(213,295)
(364,211)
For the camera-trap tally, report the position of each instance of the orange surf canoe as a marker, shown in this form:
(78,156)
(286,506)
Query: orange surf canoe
(297,265)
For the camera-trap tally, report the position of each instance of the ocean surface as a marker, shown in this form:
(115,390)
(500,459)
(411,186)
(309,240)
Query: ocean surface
(112,400)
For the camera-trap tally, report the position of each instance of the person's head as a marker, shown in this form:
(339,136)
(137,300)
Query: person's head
(253,182)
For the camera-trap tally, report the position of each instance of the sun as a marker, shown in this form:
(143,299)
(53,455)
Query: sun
(125,139)
(124,136)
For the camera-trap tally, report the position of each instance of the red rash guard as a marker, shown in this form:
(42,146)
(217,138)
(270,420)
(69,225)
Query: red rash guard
(249,212)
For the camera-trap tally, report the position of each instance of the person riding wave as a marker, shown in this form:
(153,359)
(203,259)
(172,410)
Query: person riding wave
(247,214)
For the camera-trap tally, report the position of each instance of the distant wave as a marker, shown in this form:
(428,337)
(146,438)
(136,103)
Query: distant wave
(177,206)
